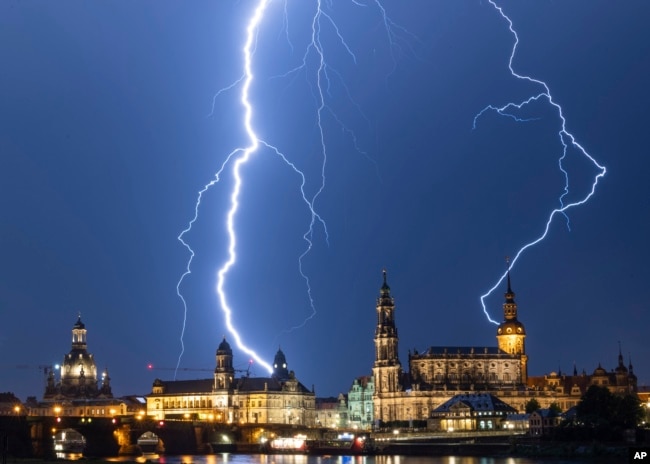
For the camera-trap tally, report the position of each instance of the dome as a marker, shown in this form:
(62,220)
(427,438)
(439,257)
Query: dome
(600,371)
(280,360)
(511,327)
(280,370)
(224,347)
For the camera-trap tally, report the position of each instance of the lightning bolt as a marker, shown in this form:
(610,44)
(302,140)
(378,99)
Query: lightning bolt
(566,139)
(235,160)
(321,77)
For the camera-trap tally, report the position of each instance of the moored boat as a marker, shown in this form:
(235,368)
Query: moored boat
(342,444)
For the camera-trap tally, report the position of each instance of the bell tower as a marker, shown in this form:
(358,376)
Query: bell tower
(387,369)
(224,372)
(511,334)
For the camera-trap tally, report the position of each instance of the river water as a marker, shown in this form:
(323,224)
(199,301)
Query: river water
(227,458)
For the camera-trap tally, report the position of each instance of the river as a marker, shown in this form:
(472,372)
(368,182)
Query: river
(227,458)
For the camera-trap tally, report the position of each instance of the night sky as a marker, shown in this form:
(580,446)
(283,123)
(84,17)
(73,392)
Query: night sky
(111,122)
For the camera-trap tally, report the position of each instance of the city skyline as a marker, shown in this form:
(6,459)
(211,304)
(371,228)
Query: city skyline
(112,125)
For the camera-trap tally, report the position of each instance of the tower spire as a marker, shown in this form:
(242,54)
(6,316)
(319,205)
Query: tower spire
(511,333)
(620,355)
(385,289)
(387,369)
(509,307)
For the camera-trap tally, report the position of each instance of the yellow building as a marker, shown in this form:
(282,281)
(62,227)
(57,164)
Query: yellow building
(278,399)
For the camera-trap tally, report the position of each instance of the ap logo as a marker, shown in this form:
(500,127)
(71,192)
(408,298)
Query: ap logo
(639,454)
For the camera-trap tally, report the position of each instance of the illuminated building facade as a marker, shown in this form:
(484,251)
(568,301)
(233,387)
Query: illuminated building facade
(78,379)
(439,373)
(360,403)
(475,411)
(278,399)
(332,412)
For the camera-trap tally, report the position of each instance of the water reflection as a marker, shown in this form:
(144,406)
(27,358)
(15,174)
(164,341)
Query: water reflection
(228,458)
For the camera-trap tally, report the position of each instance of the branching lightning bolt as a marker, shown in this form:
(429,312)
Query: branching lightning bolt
(566,139)
(240,156)
(235,159)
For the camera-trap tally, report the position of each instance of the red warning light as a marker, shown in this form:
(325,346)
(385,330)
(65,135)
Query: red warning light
(149,366)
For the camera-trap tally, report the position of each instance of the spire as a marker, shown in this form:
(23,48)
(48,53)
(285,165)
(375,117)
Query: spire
(280,370)
(385,309)
(79,334)
(509,306)
(620,355)
(510,295)
(385,289)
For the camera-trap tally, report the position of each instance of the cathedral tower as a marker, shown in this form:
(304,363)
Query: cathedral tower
(511,333)
(224,372)
(280,370)
(387,369)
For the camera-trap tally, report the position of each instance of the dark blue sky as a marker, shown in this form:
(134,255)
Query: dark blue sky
(108,132)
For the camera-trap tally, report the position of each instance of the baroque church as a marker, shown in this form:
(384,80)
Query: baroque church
(439,373)
(225,398)
(78,379)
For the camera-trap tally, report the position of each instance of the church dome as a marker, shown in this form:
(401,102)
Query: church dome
(224,347)
(511,327)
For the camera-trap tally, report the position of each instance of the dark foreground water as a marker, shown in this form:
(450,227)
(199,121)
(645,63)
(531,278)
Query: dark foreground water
(304,459)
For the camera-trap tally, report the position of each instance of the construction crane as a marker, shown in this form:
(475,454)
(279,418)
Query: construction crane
(151,367)
(46,368)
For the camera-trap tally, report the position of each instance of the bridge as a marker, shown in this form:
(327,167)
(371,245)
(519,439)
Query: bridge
(32,436)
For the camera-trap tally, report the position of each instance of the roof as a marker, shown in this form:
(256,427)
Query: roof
(461,350)
(546,412)
(483,402)
(243,384)
(176,387)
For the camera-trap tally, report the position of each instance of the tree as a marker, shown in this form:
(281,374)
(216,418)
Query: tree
(532,405)
(596,407)
(629,412)
(608,414)
(555,408)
